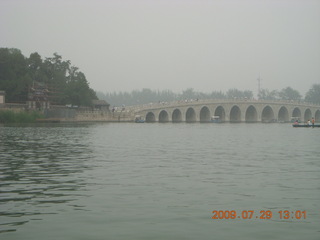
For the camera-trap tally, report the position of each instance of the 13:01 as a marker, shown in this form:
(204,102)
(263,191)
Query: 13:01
(293,215)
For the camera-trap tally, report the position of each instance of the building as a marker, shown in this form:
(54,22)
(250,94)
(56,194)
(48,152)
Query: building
(101,105)
(38,97)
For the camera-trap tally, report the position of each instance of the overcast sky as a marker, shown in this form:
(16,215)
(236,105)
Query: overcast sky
(173,44)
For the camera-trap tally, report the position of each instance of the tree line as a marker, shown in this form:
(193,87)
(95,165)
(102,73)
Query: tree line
(64,82)
(146,95)
(67,85)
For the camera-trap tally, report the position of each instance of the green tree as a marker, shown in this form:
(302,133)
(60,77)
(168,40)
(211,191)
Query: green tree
(247,94)
(78,92)
(217,95)
(289,94)
(13,74)
(56,77)
(188,94)
(313,95)
(36,68)
(265,94)
(235,93)
(18,74)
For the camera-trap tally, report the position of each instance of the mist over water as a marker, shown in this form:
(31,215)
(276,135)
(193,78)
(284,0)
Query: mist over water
(157,181)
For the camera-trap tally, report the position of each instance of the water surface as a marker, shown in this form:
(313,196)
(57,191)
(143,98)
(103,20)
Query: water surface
(157,181)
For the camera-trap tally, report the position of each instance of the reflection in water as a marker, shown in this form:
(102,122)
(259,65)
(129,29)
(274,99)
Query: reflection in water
(39,169)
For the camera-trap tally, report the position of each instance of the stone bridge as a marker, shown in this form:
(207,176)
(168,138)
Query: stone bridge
(227,111)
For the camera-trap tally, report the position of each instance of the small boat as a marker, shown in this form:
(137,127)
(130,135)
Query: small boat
(295,120)
(305,125)
(215,119)
(138,119)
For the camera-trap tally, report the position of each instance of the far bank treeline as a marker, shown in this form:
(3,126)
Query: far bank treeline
(66,84)
(146,95)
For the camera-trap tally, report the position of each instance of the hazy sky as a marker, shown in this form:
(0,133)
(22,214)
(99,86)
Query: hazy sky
(173,44)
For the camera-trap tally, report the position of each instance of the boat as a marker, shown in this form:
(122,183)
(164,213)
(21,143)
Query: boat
(295,119)
(215,119)
(138,119)
(305,125)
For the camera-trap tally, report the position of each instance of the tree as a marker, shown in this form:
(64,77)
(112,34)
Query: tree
(289,94)
(65,83)
(313,95)
(247,94)
(77,91)
(188,94)
(265,94)
(36,70)
(235,93)
(56,77)
(217,95)
(13,74)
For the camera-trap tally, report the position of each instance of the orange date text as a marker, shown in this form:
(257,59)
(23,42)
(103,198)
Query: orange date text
(261,214)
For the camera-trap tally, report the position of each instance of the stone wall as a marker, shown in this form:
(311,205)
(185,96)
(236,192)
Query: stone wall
(15,107)
(97,115)
(67,114)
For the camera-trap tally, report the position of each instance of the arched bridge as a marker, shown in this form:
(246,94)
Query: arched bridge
(228,111)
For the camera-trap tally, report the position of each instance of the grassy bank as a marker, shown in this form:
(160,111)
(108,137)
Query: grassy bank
(7,116)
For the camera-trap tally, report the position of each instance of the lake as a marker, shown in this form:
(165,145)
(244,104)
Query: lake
(159,181)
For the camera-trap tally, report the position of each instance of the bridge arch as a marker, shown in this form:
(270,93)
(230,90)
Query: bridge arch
(251,114)
(296,113)
(176,116)
(317,116)
(163,116)
(205,114)
(191,115)
(307,114)
(283,115)
(235,114)
(221,113)
(150,117)
(267,114)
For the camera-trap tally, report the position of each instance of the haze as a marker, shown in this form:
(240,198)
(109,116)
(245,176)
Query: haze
(205,45)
